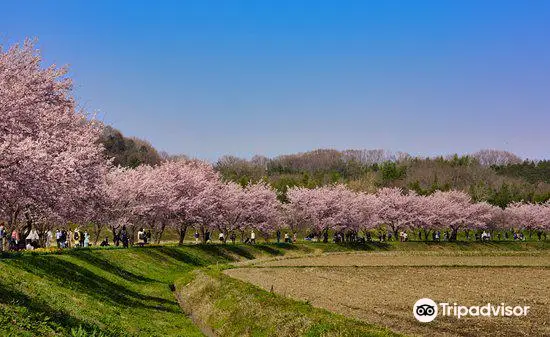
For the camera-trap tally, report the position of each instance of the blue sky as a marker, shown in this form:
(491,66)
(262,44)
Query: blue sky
(208,78)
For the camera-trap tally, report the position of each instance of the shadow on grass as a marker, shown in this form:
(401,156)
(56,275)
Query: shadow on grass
(90,257)
(222,251)
(272,251)
(180,255)
(80,279)
(354,246)
(38,310)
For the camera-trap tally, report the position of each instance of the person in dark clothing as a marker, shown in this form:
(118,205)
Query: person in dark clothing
(124,236)
(278,236)
(116,239)
(232,237)
(81,240)
(105,242)
(64,239)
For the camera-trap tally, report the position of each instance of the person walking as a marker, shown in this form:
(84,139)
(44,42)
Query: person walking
(86,241)
(196,237)
(278,236)
(14,239)
(124,236)
(81,239)
(253,237)
(142,237)
(65,239)
(2,235)
(49,238)
(221,237)
(76,237)
(33,238)
(58,238)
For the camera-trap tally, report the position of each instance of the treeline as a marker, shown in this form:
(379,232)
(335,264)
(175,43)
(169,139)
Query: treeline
(498,177)
(128,152)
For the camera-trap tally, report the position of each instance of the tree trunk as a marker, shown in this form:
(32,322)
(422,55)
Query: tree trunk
(203,234)
(426,235)
(159,235)
(98,233)
(454,233)
(13,219)
(182,231)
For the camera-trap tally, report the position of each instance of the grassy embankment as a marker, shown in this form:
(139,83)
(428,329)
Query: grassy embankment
(118,292)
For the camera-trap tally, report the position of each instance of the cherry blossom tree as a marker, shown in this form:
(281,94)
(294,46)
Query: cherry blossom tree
(52,163)
(367,208)
(531,217)
(395,207)
(321,208)
(456,210)
(194,185)
(232,205)
(424,214)
(262,209)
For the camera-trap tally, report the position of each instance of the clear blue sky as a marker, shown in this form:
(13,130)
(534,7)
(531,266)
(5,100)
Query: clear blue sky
(208,78)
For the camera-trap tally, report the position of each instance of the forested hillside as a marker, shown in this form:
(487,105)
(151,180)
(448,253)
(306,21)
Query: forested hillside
(129,152)
(498,177)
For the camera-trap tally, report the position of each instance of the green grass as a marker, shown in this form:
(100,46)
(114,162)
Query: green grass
(229,307)
(127,292)
(118,292)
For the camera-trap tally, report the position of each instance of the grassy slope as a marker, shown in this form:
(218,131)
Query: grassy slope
(127,292)
(229,307)
(116,291)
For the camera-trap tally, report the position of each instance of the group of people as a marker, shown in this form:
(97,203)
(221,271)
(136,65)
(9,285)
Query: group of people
(222,238)
(78,238)
(63,239)
(31,241)
(13,241)
(81,238)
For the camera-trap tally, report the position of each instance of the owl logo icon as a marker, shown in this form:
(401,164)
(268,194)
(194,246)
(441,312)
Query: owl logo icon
(425,310)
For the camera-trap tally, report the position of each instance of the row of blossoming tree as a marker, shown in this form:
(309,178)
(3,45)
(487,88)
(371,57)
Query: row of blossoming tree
(53,174)
(339,209)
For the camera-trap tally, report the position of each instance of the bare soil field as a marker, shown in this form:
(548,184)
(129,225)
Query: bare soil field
(366,259)
(361,286)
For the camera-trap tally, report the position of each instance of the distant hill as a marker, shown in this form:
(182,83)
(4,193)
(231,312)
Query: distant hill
(495,176)
(498,177)
(128,152)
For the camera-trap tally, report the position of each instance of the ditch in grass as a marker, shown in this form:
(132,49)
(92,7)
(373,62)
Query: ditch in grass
(126,292)
(224,306)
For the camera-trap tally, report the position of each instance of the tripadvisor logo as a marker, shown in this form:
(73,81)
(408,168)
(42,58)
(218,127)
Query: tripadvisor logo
(425,310)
